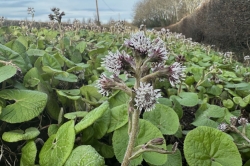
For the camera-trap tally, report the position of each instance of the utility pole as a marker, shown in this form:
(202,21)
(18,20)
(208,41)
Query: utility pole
(97,13)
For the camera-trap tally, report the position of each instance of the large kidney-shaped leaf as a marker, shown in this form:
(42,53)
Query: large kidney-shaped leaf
(32,78)
(91,117)
(49,60)
(68,77)
(28,104)
(173,159)
(8,54)
(74,115)
(100,126)
(70,94)
(188,99)
(6,72)
(85,155)
(164,118)
(91,93)
(58,147)
(119,117)
(18,135)
(208,146)
(35,52)
(28,154)
(118,98)
(81,46)
(205,118)
(147,132)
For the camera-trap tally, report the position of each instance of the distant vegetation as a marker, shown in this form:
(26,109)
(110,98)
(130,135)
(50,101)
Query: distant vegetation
(222,23)
(156,13)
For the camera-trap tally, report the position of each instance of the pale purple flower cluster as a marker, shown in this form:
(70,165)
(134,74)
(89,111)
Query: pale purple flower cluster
(158,52)
(176,73)
(116,62)
(223,127)
(146,97)
(104,84)
(242,121)
(147,63)
(139,42)
(155,66)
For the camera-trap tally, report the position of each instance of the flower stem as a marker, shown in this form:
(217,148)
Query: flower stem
(132,137)
(242,135)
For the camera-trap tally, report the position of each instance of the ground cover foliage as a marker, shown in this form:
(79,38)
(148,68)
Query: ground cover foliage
(52,112)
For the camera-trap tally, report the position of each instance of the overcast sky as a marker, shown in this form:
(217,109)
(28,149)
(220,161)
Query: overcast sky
(74,9)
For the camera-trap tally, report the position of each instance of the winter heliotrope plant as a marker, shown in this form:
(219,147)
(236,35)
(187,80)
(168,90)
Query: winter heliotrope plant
(145,64)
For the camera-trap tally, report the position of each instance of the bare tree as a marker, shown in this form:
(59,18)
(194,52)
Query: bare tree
(162,12)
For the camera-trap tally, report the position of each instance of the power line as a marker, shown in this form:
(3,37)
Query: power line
(108,6)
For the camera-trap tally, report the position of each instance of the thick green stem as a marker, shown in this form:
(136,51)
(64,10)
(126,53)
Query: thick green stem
(132,137)
(133,125)
(240,133)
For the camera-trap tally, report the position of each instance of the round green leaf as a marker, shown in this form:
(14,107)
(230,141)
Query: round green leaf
(240,101)
(18,47)
(213,111)
(147,132)
(7,54)
(32,78)
(173,159)
(214,90)
(49,60)
(53,128)
(77,114)
(81,46)
(68,95)
(23,40)
(18,135)
(28,154)
(69,77)
(58,147)
(35,52)
(52,106)
(119,117)
(91,117)
(7,72)
(165,101)
(188,99)
(164,118)
(85,155)
(100,126)
(118,99)
(90,93)
(28,105)
(52,71)
(105,150)
(228,103)
(209,146)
